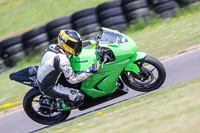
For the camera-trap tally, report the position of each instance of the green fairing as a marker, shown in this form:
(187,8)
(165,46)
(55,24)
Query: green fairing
(110,73)
(104,82)
(133,67)
(84,60)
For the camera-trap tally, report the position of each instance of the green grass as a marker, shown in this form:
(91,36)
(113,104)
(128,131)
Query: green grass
(171,110)
(160,38)
(18,16)
(166,37)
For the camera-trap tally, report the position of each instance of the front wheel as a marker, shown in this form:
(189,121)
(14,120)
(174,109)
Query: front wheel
(32,107)
(152,75)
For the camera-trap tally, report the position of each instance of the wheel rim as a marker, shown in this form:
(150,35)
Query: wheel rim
(35,109)
(147,78)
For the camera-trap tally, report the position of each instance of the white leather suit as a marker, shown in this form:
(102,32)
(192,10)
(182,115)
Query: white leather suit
(54,62)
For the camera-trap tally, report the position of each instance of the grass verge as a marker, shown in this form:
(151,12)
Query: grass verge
(18,16)
(166,37)
(171,110)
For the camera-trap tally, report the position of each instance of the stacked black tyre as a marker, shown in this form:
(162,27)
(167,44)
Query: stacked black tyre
(111,15)
(165,8)
(12,50)
(183,3)
(136,10)
(2,66)
(35,40)
(53,27)
(86,23)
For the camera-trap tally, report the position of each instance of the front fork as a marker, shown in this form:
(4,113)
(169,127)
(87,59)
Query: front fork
(131,66)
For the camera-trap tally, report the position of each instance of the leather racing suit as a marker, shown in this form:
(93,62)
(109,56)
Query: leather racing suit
(54,62)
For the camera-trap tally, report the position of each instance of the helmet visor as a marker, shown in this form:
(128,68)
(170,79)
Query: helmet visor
(77,46)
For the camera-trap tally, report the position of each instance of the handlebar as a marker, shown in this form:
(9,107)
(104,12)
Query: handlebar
(105,59)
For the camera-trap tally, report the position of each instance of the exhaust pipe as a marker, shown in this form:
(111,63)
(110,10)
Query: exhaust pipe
(48,108)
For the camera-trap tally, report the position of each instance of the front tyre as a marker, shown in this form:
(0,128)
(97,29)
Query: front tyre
(31,107)
(152,75)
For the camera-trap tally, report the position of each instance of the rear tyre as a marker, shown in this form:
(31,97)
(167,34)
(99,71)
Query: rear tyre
(37,116)
(151,77)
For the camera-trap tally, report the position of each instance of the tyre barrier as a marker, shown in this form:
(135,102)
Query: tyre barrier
(111,15)
(86,22)
(164,8)
(135,10)
(53,27)
(183,3)
(115,14)
(11,49)
(35,38)
(2,66)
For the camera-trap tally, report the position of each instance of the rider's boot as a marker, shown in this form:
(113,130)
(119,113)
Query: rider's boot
(77,102)
(62,104)
(68,104)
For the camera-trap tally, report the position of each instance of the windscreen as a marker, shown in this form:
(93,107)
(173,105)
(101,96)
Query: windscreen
(109,37)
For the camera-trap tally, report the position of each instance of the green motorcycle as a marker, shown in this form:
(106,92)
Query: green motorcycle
(122,68)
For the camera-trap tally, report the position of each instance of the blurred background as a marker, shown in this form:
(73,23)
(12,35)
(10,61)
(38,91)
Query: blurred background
(161,28)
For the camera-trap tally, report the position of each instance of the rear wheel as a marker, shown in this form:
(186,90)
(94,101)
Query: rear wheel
(152,75)
(32,104)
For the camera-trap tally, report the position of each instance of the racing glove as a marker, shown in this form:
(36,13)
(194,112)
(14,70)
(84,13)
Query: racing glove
(93,41)
(93,69)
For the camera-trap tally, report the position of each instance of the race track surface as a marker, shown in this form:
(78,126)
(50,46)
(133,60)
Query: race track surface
(179,69)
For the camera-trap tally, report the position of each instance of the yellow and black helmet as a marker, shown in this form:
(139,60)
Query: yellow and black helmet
(70,41)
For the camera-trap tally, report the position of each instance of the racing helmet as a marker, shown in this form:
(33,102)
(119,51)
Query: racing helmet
(70,41)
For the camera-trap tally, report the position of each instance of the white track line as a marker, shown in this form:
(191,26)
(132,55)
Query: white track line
(181,55)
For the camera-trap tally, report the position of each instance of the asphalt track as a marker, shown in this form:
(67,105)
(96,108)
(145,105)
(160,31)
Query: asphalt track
(179,69)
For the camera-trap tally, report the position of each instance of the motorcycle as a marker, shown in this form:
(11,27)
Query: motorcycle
(122,68)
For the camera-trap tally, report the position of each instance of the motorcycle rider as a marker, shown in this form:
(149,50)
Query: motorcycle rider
(55,61)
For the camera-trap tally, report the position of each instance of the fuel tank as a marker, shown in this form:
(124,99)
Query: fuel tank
(84,60)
